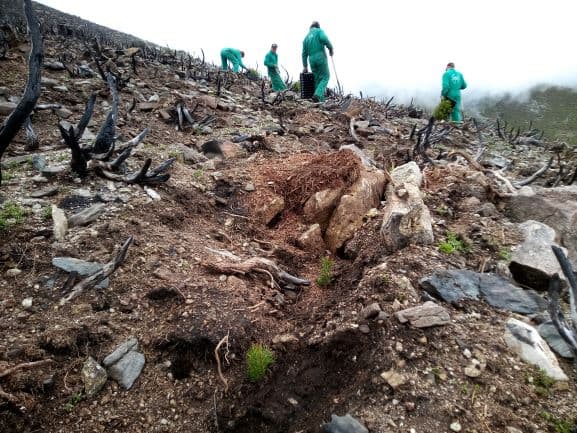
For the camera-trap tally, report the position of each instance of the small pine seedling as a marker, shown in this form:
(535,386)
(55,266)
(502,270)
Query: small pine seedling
(325,276)
(258,359)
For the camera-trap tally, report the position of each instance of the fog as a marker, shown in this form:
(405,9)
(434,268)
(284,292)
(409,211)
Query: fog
(381,48)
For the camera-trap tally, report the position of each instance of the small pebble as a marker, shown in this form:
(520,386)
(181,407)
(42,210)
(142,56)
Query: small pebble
(27,303)
(455,426)
(13,272)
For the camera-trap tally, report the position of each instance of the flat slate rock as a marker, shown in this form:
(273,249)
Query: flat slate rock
(82,267)
(344,424)
(456,285)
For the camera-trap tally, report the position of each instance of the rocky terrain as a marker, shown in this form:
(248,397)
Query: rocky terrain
(397,268)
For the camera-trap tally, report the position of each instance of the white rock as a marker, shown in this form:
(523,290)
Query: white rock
(455,426)
(14,272)
(60,223)
(152,193)
(26,303)
(524,340)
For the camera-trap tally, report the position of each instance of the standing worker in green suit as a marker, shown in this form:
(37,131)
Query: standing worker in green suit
(314,51)
(453,83)
(233,56)
(271,62)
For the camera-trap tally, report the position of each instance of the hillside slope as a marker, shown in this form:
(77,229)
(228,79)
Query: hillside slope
(266,231)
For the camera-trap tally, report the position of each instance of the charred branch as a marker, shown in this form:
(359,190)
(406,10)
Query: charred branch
(97,277)
(535,175)
(18,117)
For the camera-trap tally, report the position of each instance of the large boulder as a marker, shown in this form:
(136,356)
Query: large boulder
(526,342)
(347,218)
(533,262)
(456,285)
(320,206)
(556,207)
(406,218)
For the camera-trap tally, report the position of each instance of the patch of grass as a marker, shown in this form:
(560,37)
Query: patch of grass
(504,254)
(325,275)
(73,401)
(452,244)
(11,214)
(542,383)
(559,425)
(442,210)
(46,212)
(7,175)
(62,157)
(296,87)
(258,359)
(198,173)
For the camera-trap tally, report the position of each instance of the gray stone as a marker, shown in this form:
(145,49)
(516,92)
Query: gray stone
(370,311)
(344,424)
(556,207)
(549,332)
(348,217)
(47,192)
(54,65)
(60,223)
(249,187)
(320,206)
(408,173)
(312,239)
(394,379)
(39,179)
(63,113)
(87,216)
(51,171)
(424,316)
(127,369)
(154,98)
(93,376)
(6,108)
(526,342)
(14,272)
(455,285)
(15,160)
(406,218)
(120,351)
(191,155)
(4,91)
(38,162)
(62,89)
(48,82)
(83,268)
(270,208)
(533,262)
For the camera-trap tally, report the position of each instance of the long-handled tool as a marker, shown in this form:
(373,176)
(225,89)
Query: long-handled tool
(337,77)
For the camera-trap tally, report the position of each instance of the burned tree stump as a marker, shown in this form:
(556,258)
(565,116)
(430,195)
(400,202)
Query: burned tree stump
(18,117)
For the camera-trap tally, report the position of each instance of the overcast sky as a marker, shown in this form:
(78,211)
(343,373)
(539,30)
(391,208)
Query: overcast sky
(382,48)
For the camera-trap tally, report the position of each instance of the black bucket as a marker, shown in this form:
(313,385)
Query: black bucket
(307,85)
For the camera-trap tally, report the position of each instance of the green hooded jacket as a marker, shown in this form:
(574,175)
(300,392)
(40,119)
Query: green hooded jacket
(314,46)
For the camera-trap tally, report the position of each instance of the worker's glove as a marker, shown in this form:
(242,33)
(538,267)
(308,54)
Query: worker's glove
(331,52)
(305,70)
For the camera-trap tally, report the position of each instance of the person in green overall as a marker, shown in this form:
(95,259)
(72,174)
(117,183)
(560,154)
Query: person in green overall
(314,51)
(453,83)
(233,56)
(271,62)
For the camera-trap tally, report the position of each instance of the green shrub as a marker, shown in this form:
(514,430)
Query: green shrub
(505,254)
(296,87)
(542,383)
(47,212)
(325,275)
(443,110)
(452,244)
(258,359)
(559,425)
(11,214)
(74,399)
